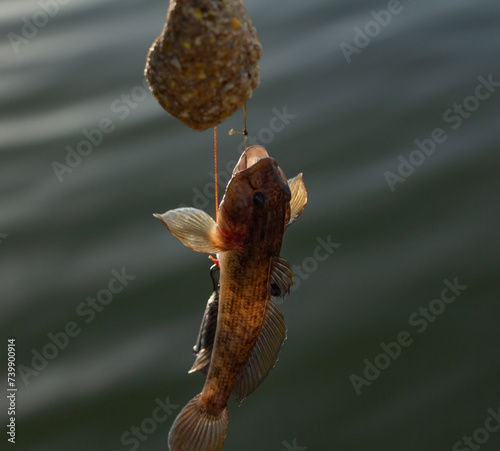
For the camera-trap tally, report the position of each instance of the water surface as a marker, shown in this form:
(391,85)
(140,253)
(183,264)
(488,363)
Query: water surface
(65,233)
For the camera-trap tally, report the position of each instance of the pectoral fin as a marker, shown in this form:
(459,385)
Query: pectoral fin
(264,354)
(299,198)
(281,279)
(195,229)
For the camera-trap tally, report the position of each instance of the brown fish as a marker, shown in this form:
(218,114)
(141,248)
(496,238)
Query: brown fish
(256,209)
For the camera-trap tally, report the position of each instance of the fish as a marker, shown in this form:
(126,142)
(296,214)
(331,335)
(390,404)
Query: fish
(258,206)
(202,349)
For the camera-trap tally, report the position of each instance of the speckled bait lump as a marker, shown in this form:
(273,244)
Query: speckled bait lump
(203,66)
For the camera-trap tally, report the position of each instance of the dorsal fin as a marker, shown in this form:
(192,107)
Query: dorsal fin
(299,198)
(264,354)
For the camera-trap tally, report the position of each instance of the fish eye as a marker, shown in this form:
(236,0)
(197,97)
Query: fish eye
(259,199)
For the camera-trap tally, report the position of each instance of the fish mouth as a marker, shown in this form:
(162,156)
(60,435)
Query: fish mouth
(249,157)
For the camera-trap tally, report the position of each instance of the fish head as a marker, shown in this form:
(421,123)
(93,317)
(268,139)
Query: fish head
(256,199)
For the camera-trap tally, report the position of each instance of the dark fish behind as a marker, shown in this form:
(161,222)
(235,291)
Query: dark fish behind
(256,209)
(206,337)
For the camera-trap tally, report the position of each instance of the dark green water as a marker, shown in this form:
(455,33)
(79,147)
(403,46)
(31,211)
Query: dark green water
(417,75)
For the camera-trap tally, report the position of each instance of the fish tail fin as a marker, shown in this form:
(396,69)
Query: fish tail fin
(196,429)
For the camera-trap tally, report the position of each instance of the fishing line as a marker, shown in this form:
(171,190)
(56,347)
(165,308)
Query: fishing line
(216,178)
(214,259)
(244,132)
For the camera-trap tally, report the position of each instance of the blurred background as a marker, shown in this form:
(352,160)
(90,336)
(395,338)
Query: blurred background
(105,304)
